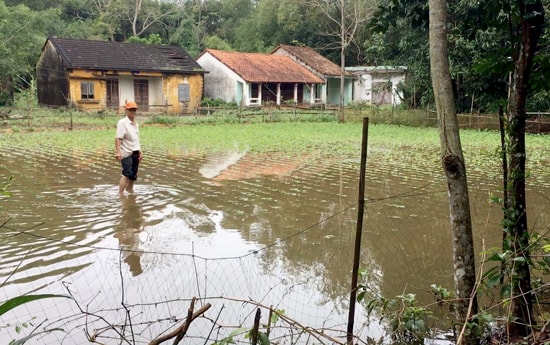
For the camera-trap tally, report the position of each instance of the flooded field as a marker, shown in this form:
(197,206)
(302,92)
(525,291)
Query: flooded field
(234,229)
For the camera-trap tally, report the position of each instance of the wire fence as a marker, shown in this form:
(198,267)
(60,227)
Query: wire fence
(34,118)
(111,301)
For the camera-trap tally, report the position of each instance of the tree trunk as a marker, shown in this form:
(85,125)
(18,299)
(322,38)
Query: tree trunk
(515,215)
(341,116)
(455,171)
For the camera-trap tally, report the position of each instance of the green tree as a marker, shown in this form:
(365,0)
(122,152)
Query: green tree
(231,14)
(479,52)
(110,19)
(215,42)
(22,35)
(37,6)
(271,23)
(151,39)
(400,38)
(256,32)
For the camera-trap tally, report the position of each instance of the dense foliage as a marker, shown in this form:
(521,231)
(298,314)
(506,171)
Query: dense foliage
(397,35)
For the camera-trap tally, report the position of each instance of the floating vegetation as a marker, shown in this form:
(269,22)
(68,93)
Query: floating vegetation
(413,147)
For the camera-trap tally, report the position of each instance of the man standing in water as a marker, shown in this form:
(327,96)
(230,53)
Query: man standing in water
(128,150)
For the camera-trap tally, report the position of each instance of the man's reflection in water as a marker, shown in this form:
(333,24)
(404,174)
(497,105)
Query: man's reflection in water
(131,225)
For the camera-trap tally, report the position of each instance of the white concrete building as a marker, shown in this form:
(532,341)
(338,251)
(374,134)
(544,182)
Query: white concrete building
(377,85)
(250,79)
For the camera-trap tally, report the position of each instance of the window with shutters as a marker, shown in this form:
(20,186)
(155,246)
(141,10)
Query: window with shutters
(86,90)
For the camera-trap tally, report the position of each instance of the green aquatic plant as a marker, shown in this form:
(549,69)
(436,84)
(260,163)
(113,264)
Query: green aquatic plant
(4,187)
(20,300)
(161,120)
(407,144)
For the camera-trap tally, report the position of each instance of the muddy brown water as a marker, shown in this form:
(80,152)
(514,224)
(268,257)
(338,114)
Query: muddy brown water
(226,228)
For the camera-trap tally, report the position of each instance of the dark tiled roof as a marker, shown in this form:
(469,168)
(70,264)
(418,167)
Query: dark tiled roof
(103,55)
(265,68)
(312,58)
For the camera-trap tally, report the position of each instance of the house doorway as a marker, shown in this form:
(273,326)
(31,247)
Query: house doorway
(141,93)
(289,91)
(240,91)
(113,100)
(269,93)
(381,93)
(255,94)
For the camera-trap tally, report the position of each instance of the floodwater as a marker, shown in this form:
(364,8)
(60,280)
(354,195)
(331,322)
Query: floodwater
(232,229)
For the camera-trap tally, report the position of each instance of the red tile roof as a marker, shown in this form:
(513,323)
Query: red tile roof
(310,57)
(265,68)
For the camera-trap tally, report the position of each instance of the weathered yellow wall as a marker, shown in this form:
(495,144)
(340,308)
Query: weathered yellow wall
(170,90)
(75,78)
(169,86)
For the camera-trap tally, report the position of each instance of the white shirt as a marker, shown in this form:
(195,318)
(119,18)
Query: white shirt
(128,132)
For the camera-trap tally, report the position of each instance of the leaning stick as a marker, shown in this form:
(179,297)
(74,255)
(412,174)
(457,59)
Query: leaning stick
(182,329)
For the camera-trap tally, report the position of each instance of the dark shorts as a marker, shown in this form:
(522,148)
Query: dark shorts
(130,165)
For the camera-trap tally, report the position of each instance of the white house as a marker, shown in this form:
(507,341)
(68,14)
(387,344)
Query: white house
(256,79)
(377,85)
(323,68)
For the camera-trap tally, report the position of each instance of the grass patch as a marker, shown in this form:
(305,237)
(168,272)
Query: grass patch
(392,146)
(264,130)
(45,119)
(326,137)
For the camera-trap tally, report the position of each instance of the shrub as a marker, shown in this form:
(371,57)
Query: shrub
(207,101)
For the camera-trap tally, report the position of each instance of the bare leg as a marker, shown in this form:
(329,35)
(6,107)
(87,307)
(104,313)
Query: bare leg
(123,184)
(130,186)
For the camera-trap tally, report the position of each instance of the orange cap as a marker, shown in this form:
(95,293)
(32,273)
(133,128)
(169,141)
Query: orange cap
(131,105)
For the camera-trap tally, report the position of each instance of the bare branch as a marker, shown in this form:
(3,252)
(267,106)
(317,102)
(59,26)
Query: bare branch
(180,332)
(151,16)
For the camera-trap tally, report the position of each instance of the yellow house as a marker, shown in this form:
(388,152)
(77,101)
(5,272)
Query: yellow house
(98,75)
